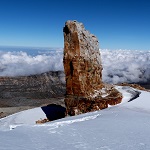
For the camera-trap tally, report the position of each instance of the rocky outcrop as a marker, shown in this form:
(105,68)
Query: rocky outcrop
(82,60)
(136,86)
(83,70)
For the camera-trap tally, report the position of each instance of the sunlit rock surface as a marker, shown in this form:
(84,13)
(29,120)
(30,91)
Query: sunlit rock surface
(82,61)
(85,91)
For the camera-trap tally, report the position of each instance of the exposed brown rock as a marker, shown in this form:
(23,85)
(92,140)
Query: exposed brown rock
(136,86)
(83,69)
(82,61)
(107,96)
(2,114)
(41,121)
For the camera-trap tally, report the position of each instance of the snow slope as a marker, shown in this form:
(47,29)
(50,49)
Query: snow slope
(122,127)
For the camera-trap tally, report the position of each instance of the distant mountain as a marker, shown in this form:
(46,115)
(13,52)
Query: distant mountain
(42,86)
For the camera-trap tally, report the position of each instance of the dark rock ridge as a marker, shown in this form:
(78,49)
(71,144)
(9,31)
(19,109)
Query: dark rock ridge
(140,86)
(45,85)
(85,90)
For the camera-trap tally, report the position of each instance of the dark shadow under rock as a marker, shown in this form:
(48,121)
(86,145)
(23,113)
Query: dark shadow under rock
(54,112)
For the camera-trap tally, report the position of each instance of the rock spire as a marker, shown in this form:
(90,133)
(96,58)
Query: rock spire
(83,70)
(82,60)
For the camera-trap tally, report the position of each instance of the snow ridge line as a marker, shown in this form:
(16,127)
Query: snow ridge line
(56,124)
(63,123)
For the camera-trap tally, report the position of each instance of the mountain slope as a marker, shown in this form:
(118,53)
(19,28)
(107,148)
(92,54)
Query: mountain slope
(122,127)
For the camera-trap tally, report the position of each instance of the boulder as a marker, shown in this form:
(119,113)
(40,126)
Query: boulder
(83,70)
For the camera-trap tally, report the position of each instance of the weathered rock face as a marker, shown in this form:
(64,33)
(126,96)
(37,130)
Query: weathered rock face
(82,61)
(83,70)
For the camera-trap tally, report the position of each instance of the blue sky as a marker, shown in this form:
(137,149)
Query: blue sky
(118,24)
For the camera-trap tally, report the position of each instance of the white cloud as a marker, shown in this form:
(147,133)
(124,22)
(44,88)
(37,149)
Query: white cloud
(125,66)
(118,65)
(20,63)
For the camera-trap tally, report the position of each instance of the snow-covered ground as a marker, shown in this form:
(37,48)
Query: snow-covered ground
(122,127)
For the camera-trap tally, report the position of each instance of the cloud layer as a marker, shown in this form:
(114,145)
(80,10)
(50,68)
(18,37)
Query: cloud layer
(118,65)
(126,66)
(20,63)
